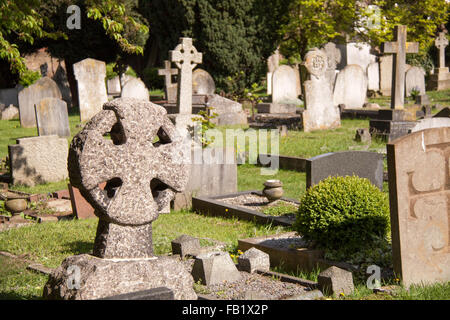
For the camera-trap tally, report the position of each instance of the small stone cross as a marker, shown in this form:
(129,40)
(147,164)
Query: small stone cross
(441,42)
(167,72)
(186,57)
(399,48)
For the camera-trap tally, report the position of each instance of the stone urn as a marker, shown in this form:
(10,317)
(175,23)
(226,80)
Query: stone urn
(15,203)
(273,190)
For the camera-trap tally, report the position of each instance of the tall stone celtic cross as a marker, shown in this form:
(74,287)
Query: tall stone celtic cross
(399,48)
(441,42)
(167,72)
(141,165)
(186,57)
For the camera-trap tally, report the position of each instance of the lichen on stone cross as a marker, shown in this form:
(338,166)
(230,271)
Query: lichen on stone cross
(186,57)
(141,174)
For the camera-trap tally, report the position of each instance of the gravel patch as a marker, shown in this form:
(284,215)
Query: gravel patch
(255,202)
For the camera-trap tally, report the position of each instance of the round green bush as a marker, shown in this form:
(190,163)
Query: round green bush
(343,213)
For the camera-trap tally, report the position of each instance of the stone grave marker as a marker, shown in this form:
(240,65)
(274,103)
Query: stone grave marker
(9,96)
(284,89)
(273,62)
(135,88)
(334,57)
(320,111)
(386,74)
(38,160)
(351,87)
(90,75)
(52,117)
(169,87)
(399,48)
(113,85)
(429,123)
(32,95)
(373,76)
(202,82)
(440,80)
(9,113)
(363,164)
(140,179)
(415,80)
(419,193)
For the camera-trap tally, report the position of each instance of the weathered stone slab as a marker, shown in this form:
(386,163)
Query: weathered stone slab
(351,87)
(336,281)
(284,88)
(229,112)
(185,245)
(386,74)
(320,111)
(202,82)
(415,80)
(9,96)
(363,164)
(9,113)
(431,123)
(418,166)
(32,95)
(52,117)
(90,75)
(113,86)
(373,76)
(38,160)
(254,259)
(135,88)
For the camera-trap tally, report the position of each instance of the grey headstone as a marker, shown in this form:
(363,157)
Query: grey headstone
(423,99)
(135,88)
(320,111)
(90,75)
(202,82)
(114,87)
(185,245)
(254,259)
(363,164)
(61,80)
(284,85)
(214,268)
(32,95)
(351,87)
(334,58)
(335,281)
(9,96)
(229,112)
(38,160)
(415,79)
(52,117)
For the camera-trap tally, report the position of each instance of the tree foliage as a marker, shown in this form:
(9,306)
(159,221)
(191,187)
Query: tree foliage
(23,23)
(312,23)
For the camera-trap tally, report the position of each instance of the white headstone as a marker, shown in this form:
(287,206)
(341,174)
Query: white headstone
(284,85)
(135,88)
(373,76)
(90,75)
(415,79)
(320,111)
(386,74)
(351,87)
(52,117)
(202,82)
(113,85)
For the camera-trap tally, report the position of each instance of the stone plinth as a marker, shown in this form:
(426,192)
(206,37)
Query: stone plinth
(440,80)
(101,278)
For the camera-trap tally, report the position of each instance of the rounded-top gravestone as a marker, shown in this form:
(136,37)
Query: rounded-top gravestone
(202,82)
(135,88)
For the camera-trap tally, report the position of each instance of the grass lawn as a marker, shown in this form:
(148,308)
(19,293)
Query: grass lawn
(49,243)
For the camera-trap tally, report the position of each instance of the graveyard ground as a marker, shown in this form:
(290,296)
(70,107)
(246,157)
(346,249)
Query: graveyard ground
(49,243)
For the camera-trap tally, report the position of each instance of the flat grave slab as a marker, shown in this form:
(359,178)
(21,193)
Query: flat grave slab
(245,205)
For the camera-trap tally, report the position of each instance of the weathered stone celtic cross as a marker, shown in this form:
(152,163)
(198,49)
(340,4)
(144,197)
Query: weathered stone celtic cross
(441,42)
(186,57)
(399,48)
(141,175)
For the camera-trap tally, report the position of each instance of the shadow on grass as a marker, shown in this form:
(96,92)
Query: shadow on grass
(11,295)
(79,247)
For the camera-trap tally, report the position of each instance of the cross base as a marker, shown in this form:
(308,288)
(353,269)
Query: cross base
(122,242)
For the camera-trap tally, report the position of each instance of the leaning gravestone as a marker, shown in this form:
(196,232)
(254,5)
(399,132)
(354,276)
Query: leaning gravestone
(32,95)
(135,88)
(320,112)
(202,82)
(52,117)
(351,87)
(90,75)
(419,193)
(363,164)
(38,160)
(415,80)
(141,178)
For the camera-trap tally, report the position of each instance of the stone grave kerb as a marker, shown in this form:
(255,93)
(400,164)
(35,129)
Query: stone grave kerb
(399,48)
(441,43)
(141,176)
(186,57)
